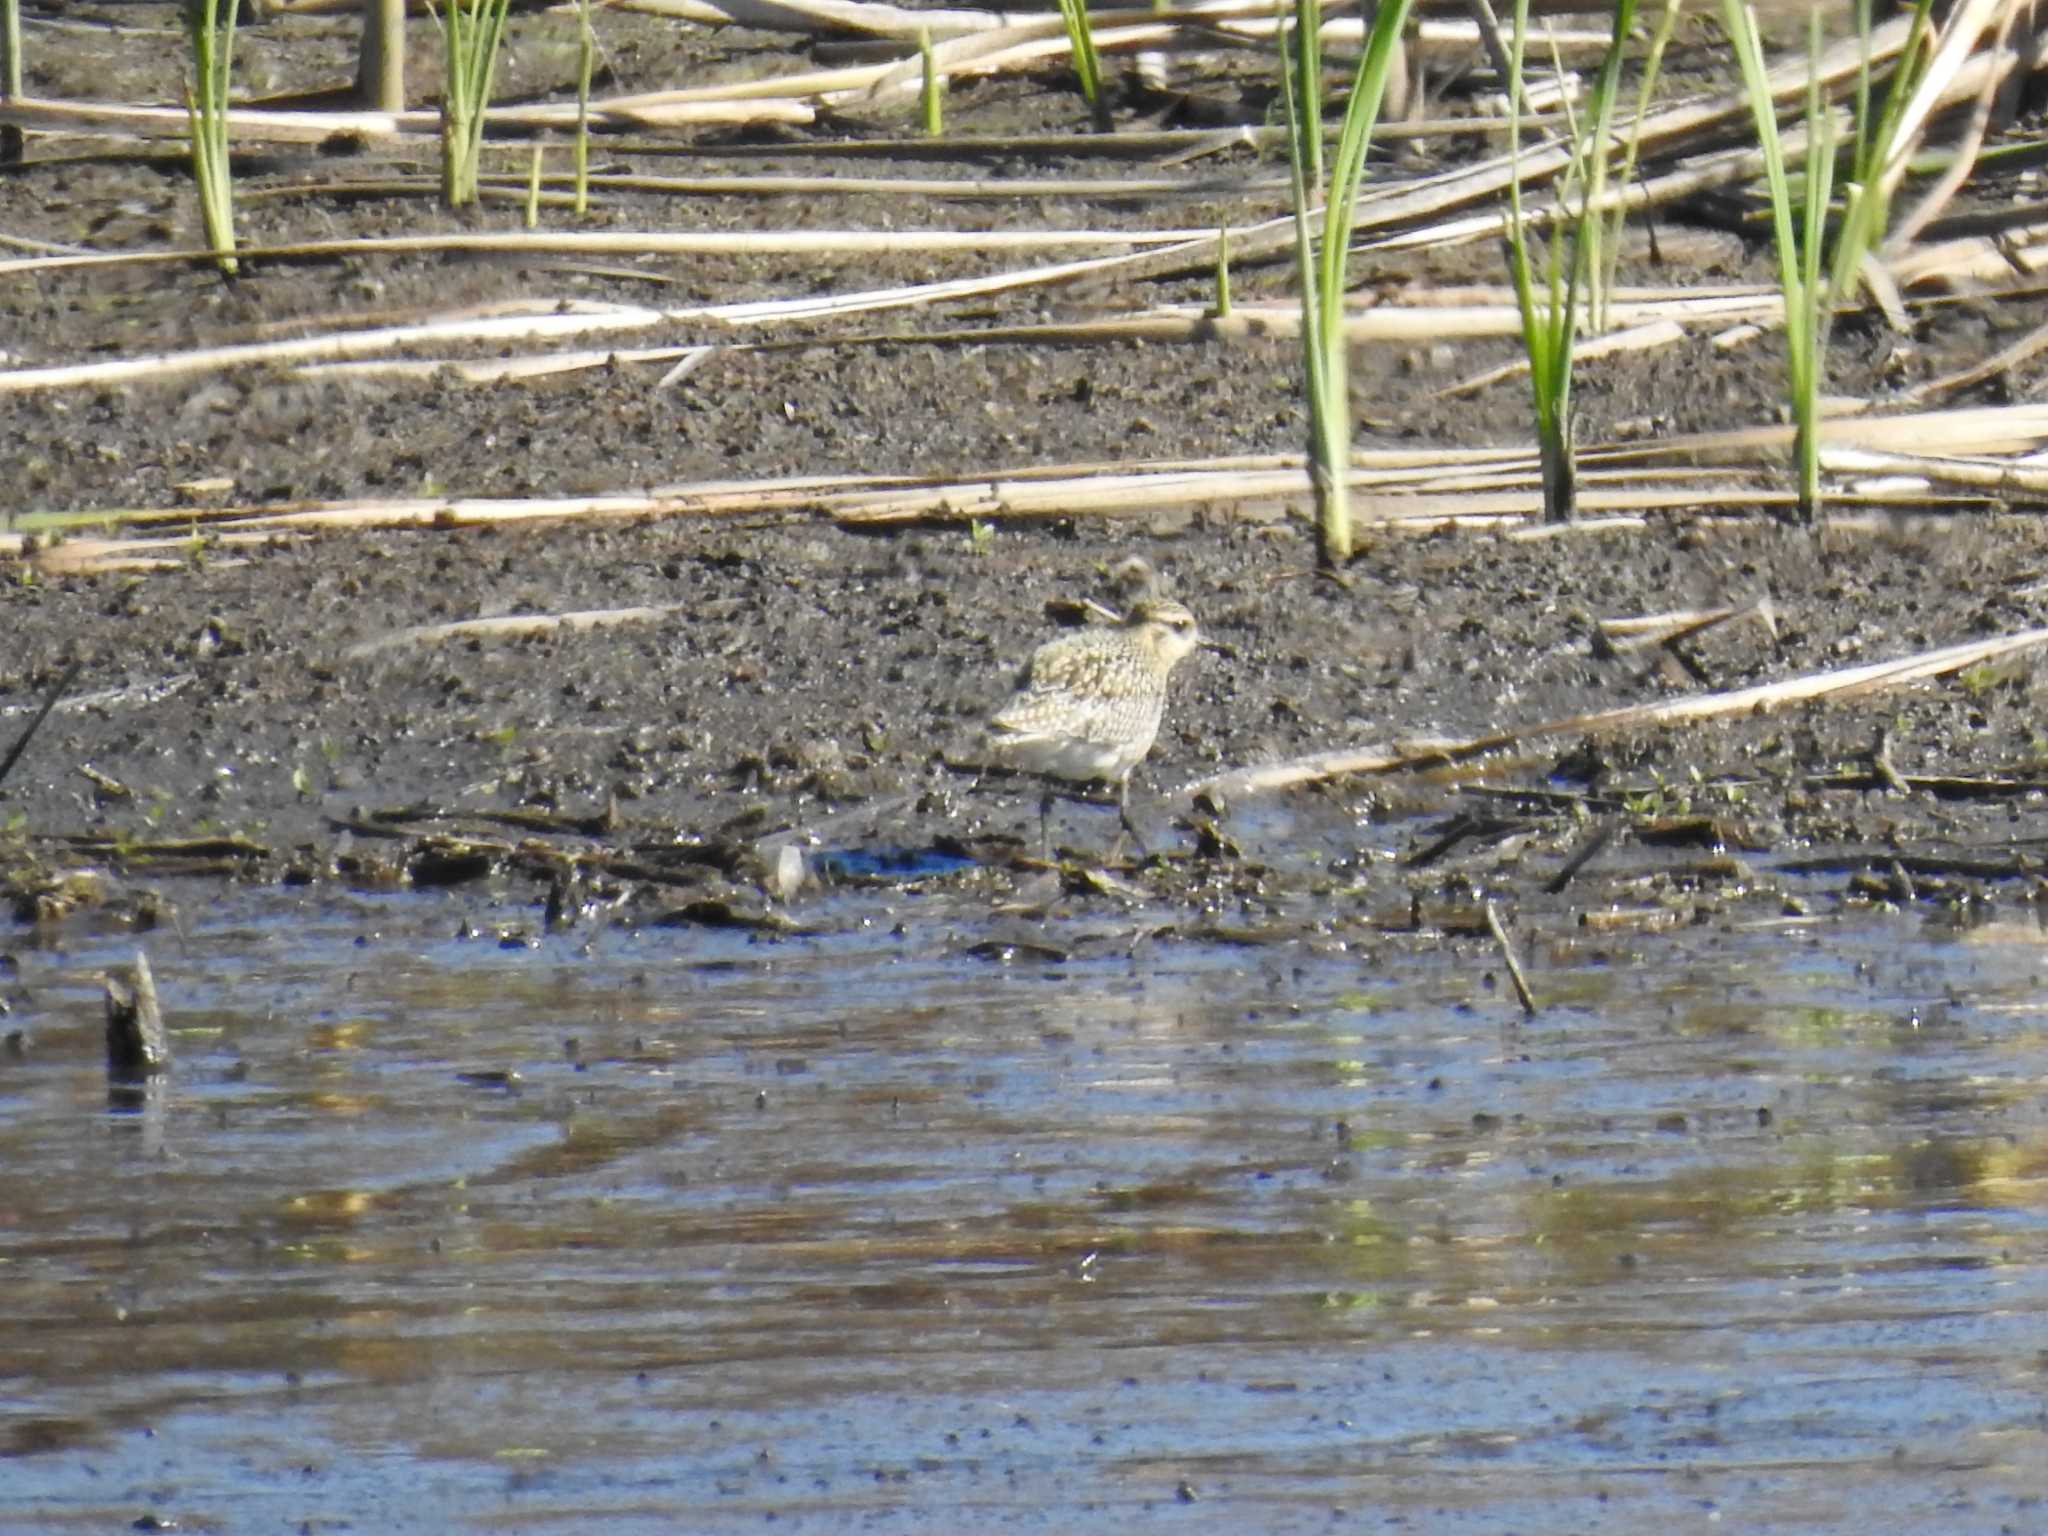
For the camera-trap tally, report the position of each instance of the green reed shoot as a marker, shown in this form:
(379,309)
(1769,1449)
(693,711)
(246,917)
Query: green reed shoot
(206,110)
(1814,279)
(1653,65)
(380,56)
(1866,202)
(1573,264)
(931,94)
(1087,64)
(1321,264)
(586,62)
(471,31)
(1799,235)
(1307,64)
(1222,271)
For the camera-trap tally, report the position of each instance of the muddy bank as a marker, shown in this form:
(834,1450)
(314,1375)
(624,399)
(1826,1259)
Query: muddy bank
(800,684)
(259,712)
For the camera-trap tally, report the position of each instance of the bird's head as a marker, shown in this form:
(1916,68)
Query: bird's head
(1166,628)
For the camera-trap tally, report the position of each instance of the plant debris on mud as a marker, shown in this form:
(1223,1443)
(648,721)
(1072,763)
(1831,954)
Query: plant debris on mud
(806,688)
(799,706)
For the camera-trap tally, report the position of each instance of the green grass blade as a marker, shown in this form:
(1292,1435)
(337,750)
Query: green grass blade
(1799,242)
(1547,313)
(1589,266)
(1361,116)
(1741,24)
(1087,64)
(1321,267)
(1653,65)
(1331,492)
(472,31)
(931,93)
(212,38)
(1308,81)
(1304,237)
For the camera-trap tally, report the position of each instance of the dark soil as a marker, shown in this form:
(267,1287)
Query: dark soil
(814,680)
(823,684)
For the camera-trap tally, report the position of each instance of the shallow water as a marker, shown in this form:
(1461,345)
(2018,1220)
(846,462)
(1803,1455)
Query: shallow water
(1749,1227)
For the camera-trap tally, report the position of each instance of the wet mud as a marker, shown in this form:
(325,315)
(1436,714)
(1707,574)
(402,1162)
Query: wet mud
(274,716)
(259,713)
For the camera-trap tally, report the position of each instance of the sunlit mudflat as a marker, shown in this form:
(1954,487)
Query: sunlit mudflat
(684,1230)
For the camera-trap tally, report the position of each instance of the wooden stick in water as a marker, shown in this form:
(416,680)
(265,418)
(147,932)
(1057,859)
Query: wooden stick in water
(136,1044)
(1507,953)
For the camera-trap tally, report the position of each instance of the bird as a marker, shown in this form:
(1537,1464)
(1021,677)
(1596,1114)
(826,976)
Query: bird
(1087,706)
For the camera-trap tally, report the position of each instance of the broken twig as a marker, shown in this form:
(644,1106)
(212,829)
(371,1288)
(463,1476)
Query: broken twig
(1584,854)
(61,687)
(1507,954)
(1845,682)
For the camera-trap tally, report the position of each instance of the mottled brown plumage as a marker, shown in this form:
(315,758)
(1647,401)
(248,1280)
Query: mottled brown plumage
(1087,708)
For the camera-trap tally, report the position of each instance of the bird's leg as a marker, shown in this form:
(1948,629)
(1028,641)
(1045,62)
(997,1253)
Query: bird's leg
(1123,812)
(1045,823)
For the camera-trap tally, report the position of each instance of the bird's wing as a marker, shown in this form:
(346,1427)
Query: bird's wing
(1039,713)
(1065,666)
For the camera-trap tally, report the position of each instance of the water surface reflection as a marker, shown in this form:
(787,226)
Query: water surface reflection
(683,1229)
